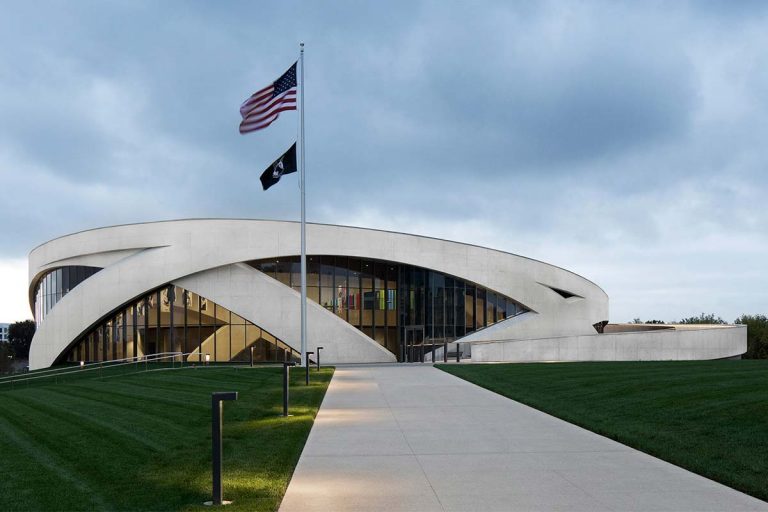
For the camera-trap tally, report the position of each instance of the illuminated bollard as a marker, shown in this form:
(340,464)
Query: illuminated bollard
(286,385)
(306,364)
(318,357)
(217,410)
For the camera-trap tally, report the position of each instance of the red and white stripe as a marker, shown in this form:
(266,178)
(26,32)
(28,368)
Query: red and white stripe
(261,109)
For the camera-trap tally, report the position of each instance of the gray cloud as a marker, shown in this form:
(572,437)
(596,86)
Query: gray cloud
(617,139)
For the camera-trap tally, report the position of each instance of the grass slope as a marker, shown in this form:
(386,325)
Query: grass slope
(710,417)
(143,441)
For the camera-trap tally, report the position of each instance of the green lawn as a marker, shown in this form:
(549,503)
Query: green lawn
(142,441)
(710,417)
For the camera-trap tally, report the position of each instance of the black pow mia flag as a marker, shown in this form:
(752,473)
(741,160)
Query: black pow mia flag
(286,164)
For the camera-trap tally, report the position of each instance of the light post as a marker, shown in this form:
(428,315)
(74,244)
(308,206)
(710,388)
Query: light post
(217,410)
(309,352)
(286,385)
(318,357)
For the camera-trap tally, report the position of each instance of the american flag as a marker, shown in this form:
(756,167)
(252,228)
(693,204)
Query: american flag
(264,106)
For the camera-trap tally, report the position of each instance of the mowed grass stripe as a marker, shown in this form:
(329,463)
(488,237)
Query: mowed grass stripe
(157,417)
(103,431)
(707,416)
(22,480)
(67,410)
(95,455)
(72,492)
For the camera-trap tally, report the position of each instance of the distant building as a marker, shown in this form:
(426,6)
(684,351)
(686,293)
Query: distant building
(4,332)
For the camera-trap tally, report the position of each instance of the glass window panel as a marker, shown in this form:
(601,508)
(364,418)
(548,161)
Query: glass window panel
(252,336)
(379,275)
(460,305)
(327,270)
(206,309)
(391,277)
(501,308)
(469,308)
(490,308)
(295,271)
(238,344)
(130,338)
(222,316)
(354,273)
(327,297)
(480,309)
(380,335)
(313,293)
(340,272)
(341,301)
(283,271)
(235,319)
(367,309)
(366,274)
(268,267)
(313,271)
(107,341)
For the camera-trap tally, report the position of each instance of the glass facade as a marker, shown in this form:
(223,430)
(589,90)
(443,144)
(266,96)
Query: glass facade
(172,319)
(55,284)
(383,298)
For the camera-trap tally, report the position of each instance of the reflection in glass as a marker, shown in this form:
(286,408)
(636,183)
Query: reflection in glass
(174,320)
(54,285)
(380,298)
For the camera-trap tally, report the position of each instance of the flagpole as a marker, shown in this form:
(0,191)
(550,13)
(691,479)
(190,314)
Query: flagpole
(303,215)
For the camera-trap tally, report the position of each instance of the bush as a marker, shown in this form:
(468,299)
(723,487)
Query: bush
(757,335)
(703,319)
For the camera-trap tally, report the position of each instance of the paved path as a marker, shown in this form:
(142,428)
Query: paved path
(413,438)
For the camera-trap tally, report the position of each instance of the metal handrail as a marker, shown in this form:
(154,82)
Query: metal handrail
(73,370)
(86,365)
(54,373)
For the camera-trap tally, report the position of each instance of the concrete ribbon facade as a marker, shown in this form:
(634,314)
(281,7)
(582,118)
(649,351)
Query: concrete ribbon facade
(206,256)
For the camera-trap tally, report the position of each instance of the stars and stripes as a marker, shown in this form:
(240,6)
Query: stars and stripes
(264,106)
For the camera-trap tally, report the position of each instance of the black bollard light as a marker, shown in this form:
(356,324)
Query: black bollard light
(306,363)
(458,354)
(217,410)
(445,351)
(286,385)
(318,357)
(251,356)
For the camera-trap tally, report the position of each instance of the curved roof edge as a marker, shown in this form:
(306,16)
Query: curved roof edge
(316,224)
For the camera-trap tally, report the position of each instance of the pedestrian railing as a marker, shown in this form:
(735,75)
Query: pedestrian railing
(98,369)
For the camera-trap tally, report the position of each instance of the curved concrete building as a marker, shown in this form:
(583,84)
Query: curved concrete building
(227,288)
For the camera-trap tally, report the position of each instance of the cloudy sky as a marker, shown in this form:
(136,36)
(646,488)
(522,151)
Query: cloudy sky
(627,142)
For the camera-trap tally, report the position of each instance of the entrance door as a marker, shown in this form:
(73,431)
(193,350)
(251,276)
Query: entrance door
(412,345)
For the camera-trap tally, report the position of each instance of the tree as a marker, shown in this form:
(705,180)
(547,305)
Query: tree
(703,319)
(638,321)
(20,337)
(757,335)
(6,358)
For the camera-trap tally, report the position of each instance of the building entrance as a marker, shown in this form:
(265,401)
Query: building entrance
(412,345)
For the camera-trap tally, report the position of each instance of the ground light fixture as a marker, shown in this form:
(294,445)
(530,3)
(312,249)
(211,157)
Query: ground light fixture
(306,365)
(217,411)
(286,383)
(318,357)
(207,359)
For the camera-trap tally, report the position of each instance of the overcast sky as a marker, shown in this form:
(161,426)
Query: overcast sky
(627,142)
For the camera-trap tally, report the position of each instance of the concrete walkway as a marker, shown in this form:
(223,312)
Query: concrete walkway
(413,438)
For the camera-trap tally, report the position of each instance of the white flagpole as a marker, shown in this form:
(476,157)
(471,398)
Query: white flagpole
(304,358)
